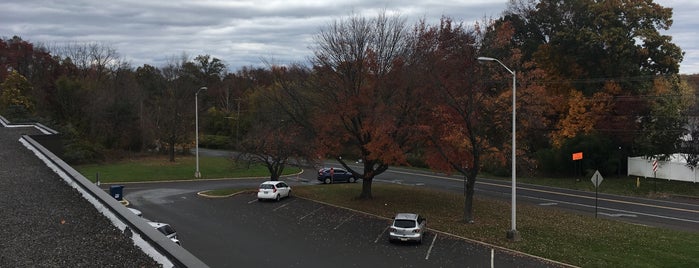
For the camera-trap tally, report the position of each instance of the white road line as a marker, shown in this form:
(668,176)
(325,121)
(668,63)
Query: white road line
(381,234)
(558,193)
(309,214)
(252,201)
(431,246)
(618,215)
(618,210)
(338,226)
(580,196)
(548,204)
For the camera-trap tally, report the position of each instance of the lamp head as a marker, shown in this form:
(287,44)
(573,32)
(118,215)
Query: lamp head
(486,59)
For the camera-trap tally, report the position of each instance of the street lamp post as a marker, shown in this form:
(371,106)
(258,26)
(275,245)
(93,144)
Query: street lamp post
(511,234)
(197,174)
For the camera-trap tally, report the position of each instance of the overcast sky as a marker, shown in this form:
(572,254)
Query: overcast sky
(244,33)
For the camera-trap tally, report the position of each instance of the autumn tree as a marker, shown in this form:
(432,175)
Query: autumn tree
(361,99)
(229,100)
(36,65)
(596,60)
(583,115)
(117,106)
(667,120)
(174,104)
(15,91)
(468,119)
(278,134)
(151,83)
(15,94)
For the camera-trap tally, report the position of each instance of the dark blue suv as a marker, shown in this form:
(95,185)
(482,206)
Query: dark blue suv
(338,174)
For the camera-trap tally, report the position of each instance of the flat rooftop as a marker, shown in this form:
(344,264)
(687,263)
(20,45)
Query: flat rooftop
(47,223)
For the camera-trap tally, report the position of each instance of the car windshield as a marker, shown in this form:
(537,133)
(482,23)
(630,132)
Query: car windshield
(266,186)
(404,223)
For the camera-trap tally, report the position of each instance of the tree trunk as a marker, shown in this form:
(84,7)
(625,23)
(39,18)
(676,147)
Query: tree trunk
(366,188)
(171,151)
(468,201)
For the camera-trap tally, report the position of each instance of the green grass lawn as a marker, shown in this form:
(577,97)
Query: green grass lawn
(580,240)
(159,169)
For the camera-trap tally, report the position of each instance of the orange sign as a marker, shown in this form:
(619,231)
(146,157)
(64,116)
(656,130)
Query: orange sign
(577,156)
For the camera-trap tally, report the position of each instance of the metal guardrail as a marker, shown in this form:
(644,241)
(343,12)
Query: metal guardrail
(151,241)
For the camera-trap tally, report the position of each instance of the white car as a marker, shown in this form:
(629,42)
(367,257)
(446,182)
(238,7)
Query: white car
(136,211)
(167,230)
(274,190)
(407,227)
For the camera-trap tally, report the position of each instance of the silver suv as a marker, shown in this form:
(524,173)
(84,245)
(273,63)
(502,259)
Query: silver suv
(407,227)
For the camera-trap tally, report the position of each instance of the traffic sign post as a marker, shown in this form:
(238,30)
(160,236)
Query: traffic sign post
(596,181)
(576,159)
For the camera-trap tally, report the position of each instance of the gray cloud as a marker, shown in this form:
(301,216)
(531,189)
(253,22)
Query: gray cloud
(244,33)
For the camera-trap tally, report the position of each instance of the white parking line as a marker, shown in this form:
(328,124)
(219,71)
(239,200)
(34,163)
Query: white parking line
(309,214)
(252,201)
(286,204)
(381,235)
(338,226)
(431,246)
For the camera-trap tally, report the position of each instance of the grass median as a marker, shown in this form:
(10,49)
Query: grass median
(575,239)
(161,169)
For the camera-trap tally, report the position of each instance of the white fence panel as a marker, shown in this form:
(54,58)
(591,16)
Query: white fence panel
(678,171)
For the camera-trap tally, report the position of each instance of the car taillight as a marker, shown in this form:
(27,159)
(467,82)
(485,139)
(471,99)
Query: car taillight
(416,231)
(275,190)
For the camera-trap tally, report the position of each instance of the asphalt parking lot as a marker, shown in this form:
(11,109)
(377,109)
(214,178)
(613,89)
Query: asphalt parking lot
(242,232)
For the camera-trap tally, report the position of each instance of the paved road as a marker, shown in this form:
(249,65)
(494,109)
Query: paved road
(674,214)
(678,214)
(242,232)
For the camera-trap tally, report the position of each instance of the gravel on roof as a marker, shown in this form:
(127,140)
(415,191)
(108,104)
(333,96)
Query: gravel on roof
(44,222)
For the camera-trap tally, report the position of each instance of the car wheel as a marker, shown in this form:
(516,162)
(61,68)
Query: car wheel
(327,181)
(351,180)
(288,194)
(277,198)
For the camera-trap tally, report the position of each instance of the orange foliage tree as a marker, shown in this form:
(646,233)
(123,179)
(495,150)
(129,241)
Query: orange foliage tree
(468,121)
(362,96)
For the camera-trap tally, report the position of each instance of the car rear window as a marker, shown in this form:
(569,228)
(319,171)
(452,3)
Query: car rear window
(404,223)
(266,186)
(166,230)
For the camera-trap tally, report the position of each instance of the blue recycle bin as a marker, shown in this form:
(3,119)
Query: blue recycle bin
(117,191)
